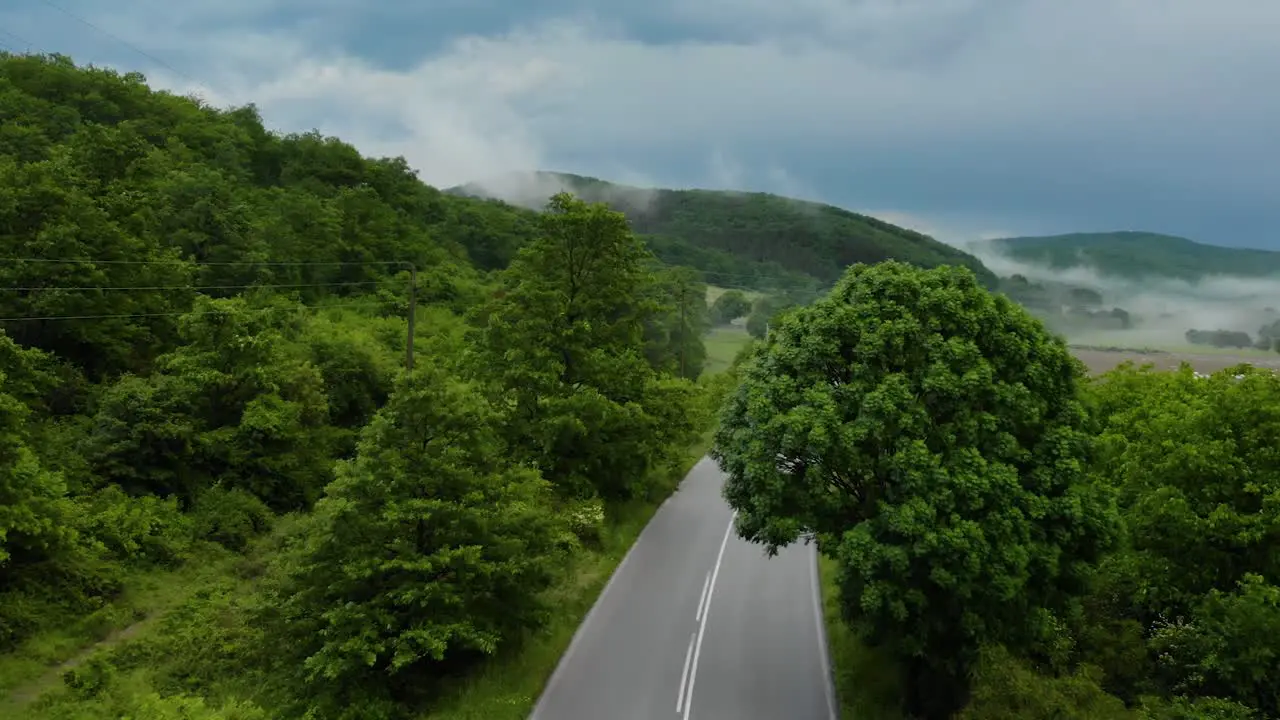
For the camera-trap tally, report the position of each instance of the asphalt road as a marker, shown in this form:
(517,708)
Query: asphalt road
(696,623)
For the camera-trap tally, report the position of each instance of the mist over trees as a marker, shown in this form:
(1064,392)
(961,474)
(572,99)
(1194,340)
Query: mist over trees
(1140,290)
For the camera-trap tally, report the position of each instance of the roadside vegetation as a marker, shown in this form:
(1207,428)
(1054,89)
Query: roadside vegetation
(1016,540)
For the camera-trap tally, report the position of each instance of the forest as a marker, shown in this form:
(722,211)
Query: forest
(285,432)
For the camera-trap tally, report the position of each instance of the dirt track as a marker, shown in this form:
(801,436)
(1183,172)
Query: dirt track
(1100,361)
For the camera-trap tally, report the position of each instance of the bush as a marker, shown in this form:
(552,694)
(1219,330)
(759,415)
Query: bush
(586,521)
(138,529)
(229,517)
(1006,688)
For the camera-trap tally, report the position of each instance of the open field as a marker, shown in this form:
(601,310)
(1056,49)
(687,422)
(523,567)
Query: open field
(1100,361)
(723,345)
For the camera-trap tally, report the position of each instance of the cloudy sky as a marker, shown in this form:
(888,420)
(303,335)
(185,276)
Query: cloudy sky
(963,118)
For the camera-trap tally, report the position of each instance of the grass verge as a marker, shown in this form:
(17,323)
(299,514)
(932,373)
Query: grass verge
(866,681)
(508,687)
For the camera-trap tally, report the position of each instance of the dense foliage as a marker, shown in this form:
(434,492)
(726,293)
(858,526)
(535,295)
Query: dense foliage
(813,239)
(563,345)
(1023,542)
(929,433)
(203,333)
(1139,255)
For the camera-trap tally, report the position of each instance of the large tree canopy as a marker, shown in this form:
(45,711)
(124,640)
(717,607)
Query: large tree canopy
(928,431)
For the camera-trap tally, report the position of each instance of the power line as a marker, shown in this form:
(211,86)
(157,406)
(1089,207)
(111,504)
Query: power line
(178,261)
(176,314)
(17,38)
(123,42)
(193,287)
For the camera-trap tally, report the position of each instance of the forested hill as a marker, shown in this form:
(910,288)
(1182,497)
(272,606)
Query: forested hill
(741,233)
(207,419)
(1138,255)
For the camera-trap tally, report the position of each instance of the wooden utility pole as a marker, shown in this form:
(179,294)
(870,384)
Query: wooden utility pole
(413,316)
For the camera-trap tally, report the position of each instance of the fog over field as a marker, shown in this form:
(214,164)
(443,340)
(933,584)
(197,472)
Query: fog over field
(1162,309)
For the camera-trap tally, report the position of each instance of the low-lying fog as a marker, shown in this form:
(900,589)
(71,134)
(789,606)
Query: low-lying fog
(1161,309)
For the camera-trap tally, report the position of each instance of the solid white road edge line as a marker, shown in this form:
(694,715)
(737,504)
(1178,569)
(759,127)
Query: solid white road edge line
(706,612)
(586,621)
(702,600)
(684,674)
(823,650)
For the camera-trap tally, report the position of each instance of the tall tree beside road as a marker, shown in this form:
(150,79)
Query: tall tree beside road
(428,552)
(563,344)
(928,432)
(673,336)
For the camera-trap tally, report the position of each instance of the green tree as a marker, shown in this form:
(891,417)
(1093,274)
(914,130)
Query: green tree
(40,544)
(50,211)
(729,306)
(674,330)
(429,549)
(562,344)
(34,510)
(231,407)
(768,308)
(1195,466)
(928,432)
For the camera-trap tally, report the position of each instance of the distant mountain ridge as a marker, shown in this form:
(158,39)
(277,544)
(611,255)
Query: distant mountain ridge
(1136,255)
(740,234)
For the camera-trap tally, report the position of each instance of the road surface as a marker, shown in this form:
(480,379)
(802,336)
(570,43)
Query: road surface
(696,623)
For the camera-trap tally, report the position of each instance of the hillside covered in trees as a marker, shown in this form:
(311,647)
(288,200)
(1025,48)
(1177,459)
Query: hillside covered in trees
(759,239)
(222,492)
(1137,255)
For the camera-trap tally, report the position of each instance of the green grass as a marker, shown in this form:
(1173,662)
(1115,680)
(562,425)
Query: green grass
(508,687)
(866,681)
(723,345)
(36,666)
